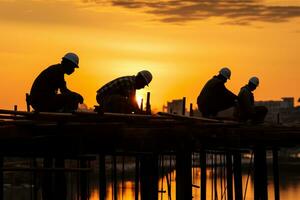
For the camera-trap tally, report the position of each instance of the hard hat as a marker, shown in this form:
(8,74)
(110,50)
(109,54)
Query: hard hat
(225,72)
(254,80)
(146,75)
(73,58)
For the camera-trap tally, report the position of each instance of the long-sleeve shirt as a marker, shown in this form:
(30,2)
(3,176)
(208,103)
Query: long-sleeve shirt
(47,84)
(124,86)
(246,102)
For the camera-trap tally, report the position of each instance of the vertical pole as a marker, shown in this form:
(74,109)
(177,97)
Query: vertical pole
(60,180)
(183,105)
(115,181)
(142,105)
(203,174)
(238,176)
(229,175)
(260,174)
(28,102)
(148,105)
(137,177)
(47,188)
(123,175)
(83,180)
(183,175)
(276,174)
(191,110)
(149,177)
(34,179)
(169,178)
(1,178)
(102,177)
(216,175)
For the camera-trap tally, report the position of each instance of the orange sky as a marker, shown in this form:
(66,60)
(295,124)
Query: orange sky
(182,44)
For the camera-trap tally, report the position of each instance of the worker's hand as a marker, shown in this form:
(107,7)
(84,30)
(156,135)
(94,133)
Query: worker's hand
(79,97)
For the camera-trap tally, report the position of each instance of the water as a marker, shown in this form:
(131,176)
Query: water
(16,188)
(289,187)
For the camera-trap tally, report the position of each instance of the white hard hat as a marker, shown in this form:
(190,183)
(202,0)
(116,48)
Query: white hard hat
(254,80)
(73,58)
(225,72)
(146,75)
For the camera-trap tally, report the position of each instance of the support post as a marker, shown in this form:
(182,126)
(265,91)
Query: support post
(203,174)
(148,105)
(115,181)
(191,110)
(276,174)
(238,176)
(183,105)
(137,178)
(28,102)
(229,175)
(84,194)
(102,177)
(1,178)
(60,186)
(260,174)
(47,186)
(183,175)
(149,177)
(142,105)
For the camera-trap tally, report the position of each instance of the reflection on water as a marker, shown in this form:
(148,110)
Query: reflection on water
(15,186)
(289,187)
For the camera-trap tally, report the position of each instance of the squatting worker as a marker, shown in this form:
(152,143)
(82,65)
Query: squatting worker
(49,92)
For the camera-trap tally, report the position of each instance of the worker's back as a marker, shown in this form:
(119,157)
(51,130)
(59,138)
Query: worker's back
(207,98)
(47,83)
(120,86)
(246,102)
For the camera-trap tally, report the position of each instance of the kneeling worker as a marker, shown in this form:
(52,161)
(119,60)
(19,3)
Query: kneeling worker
(119,95)
(215,97)
(44,94)
(247,110)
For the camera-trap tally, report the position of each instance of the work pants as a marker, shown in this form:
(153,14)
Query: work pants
(67,102)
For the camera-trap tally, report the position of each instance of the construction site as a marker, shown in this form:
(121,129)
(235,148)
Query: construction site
(163,152)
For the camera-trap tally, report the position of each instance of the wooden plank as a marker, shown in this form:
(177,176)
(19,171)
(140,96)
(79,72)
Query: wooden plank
(197,119)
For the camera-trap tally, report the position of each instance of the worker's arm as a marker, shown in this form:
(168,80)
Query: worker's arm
(227,95)
(65,90)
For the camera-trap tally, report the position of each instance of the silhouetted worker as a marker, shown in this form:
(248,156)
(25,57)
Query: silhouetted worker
(247,109)
(44,94)
(214,96)
(119,95)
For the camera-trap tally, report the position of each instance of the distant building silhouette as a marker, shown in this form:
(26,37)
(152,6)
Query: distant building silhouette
(175,107)
(283,110)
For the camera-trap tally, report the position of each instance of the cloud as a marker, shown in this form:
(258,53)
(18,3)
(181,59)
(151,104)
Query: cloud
(241,12)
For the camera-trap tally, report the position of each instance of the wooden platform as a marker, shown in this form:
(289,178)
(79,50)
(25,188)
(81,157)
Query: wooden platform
(90,132)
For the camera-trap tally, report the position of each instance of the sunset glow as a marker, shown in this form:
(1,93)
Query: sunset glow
(183,45)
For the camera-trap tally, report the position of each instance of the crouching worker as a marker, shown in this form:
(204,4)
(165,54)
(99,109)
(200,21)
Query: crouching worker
(119,95)
(247,109)
(44,94)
